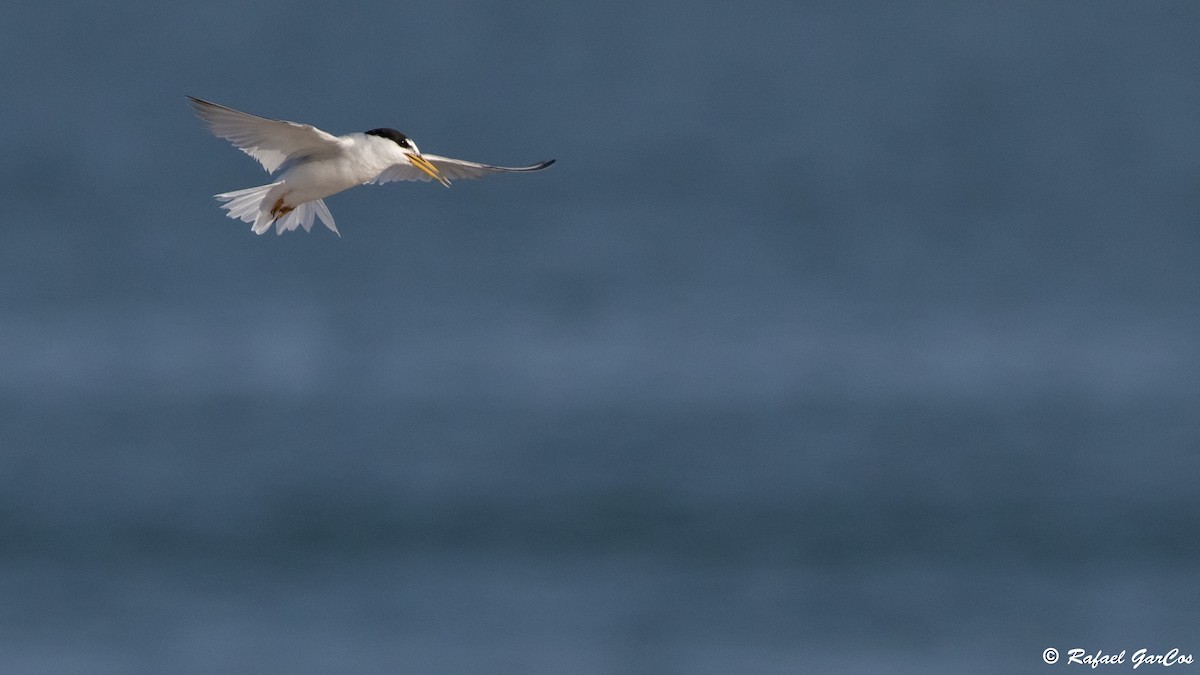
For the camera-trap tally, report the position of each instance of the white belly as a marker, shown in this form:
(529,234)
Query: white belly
(357,159)
(320,178)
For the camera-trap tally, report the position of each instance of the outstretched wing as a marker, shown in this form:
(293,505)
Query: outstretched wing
(453,169)
(271,142)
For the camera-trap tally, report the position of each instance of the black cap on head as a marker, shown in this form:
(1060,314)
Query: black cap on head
(392,135)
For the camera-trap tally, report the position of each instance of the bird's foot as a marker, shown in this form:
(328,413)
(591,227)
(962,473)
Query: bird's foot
(280,209)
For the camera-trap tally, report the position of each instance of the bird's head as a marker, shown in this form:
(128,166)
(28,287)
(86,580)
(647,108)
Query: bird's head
(411,153)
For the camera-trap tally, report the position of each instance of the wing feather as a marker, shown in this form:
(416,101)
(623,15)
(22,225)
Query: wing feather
(269,141)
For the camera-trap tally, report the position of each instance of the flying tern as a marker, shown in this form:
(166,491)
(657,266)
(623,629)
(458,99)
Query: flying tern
(310,164)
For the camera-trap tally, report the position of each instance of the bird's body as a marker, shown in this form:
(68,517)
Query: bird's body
(311,165)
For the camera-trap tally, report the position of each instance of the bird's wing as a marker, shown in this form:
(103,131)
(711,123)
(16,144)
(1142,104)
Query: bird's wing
(271,142)
(453,169)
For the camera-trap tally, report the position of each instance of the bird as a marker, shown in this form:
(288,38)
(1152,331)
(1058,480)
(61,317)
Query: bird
(309,165)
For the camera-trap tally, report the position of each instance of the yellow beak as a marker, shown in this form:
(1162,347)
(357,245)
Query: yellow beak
(424,165)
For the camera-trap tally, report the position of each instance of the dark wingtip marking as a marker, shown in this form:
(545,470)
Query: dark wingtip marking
(539,166)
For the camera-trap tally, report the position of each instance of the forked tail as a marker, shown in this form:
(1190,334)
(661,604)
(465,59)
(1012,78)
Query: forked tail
(264,205)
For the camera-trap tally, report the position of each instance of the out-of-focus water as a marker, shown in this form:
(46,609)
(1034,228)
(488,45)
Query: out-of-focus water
(843,337)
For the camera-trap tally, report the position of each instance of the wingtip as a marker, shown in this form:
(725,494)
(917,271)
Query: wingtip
(199,104)
(202,105)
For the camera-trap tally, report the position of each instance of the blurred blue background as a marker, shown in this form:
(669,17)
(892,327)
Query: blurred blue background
(842,337)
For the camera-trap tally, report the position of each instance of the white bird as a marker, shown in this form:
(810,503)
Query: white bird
(311,164)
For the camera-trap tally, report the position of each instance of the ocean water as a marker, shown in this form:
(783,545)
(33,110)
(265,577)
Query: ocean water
(841,338)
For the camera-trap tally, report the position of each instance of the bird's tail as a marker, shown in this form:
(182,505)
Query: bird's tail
(257,205)
(251,205)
